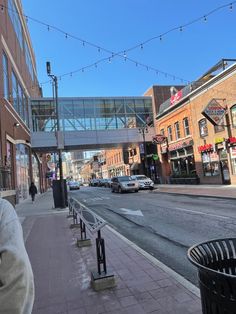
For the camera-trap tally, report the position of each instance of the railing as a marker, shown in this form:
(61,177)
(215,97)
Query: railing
(88,220)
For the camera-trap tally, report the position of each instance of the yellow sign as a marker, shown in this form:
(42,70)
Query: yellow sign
(219,140)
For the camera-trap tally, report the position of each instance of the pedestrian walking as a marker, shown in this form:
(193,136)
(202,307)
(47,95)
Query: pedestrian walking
(16,276)
(33,191)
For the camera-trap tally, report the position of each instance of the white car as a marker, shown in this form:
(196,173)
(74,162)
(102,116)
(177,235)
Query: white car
(144,182)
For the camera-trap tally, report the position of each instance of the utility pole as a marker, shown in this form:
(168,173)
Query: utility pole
(55,84)
(143,130)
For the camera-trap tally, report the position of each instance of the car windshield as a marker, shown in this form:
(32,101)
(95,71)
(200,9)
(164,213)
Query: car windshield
(125,178)
(141,178)
(73,183)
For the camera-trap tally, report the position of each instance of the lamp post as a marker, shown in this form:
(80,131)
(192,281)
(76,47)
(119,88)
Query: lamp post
(144,130)
(55,86)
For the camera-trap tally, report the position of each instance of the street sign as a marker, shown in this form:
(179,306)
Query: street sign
(158,139)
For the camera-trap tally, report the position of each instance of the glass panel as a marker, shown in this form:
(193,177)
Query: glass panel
(5,76)
(233,115)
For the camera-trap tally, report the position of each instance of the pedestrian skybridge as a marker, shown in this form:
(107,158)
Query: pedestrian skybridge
(89,123)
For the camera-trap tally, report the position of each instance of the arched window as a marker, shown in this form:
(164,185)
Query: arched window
(233,115)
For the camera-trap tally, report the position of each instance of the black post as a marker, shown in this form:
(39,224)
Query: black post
(101,256)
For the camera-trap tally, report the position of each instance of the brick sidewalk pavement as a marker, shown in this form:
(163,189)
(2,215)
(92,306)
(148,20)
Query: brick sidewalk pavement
(62,271)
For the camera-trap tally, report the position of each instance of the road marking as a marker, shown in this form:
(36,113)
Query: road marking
(201,213)
(127,211)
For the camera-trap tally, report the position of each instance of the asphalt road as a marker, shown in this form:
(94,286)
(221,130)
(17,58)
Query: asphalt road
(162,224)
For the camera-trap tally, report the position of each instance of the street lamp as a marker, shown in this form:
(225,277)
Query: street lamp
(55,86)
(143,130)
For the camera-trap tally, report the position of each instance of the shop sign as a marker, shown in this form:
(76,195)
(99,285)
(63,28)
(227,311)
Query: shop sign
(205,147)
(175,98)
(158,139)
(232,140)
(155,157)
(233,152)
(181,144)
(219,140)
(214,112)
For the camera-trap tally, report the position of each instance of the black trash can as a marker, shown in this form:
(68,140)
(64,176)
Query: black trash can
(216,262)
(56,190)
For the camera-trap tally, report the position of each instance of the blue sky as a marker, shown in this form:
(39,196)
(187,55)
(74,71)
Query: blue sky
(119,25)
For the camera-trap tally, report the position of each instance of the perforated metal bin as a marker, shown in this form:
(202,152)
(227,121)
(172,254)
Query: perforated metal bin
(216,263)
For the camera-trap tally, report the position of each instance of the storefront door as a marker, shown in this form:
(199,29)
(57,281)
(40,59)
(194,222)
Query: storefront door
(224,165)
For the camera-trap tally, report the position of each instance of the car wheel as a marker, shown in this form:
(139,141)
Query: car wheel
(151,188)
(119,190)
(136,191)
(112,190)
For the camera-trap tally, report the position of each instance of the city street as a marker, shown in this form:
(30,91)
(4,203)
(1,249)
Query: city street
(162,224)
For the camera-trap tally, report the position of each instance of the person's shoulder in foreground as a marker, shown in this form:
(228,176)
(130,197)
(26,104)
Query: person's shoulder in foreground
(16,277)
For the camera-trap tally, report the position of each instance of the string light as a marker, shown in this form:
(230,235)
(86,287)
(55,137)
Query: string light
(66,35)
(141,46)
(181,29)
(205,18)
(48,28)
(231,6)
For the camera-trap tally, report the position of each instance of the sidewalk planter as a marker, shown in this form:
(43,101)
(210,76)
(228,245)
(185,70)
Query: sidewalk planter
(184,180)
(216,263)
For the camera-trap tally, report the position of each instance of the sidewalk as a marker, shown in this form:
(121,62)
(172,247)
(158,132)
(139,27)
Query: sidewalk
(62,270)
(220,191)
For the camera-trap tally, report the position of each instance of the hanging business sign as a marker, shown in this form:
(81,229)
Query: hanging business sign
(214,112)
(158,139)
(176,97)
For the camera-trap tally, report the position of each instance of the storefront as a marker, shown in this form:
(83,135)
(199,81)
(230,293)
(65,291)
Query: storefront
(182,158)
(215,163)
(22,170)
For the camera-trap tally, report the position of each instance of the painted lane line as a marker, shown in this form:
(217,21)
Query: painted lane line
(127,211)
(201,213)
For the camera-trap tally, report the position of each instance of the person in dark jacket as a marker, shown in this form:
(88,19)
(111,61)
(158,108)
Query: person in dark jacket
(33,191)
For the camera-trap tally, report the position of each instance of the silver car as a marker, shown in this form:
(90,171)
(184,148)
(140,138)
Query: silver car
(124,184)
(144,182)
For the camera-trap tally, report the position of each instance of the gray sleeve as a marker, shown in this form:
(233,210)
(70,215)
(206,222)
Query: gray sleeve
(16,277)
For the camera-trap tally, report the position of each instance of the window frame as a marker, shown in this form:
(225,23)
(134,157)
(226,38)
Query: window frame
(169,133)
(233,118)
(186,127)
(177,130)
(199,127)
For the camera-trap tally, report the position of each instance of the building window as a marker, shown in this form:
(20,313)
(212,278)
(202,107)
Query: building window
(203,130)
(210,162)
(233,115)
(15,91)
(162,132)
(233,158)
(5,76)
(169,131)
(15,19)
(186,127)
(177,130)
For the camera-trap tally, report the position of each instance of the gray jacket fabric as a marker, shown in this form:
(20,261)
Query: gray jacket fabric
(16,276)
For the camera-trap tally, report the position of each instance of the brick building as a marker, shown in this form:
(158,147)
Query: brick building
(18,82)
(194,145)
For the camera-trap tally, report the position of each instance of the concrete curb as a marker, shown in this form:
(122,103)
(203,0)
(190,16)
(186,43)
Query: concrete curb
(195,195)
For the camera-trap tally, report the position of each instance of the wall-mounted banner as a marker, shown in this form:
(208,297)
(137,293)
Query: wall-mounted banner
(214,112)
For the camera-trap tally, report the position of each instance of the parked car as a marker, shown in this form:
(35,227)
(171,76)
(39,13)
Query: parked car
(102,182)
(144,182)
(124,184)
(73,185)
(94,182)
(108,183)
